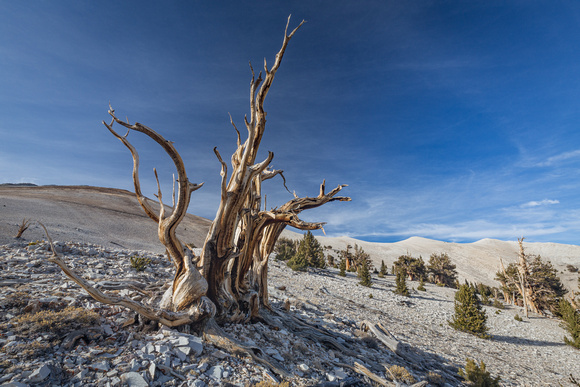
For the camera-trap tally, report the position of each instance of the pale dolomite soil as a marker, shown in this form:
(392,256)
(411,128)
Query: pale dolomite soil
(528,353)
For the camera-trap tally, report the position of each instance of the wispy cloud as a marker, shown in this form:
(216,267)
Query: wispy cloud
(545,202)
(559,158)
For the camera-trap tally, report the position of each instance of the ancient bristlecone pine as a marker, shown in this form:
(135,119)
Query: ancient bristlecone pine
(228,282)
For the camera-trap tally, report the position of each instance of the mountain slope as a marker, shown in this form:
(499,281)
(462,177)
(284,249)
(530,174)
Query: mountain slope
(105,216)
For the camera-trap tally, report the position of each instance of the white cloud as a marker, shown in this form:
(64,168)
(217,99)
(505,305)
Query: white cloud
(544,202)
(561,157)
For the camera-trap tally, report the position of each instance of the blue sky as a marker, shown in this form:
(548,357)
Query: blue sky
(450,120)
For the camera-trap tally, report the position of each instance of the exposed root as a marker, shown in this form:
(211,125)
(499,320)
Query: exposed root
(306,330)
(216,336)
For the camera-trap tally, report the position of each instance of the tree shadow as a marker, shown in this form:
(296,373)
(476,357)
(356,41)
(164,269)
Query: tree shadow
(524,341)
(431,299)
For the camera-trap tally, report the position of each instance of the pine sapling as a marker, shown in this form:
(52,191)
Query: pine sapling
(469,316)
(342,268)
(364,274)
(401,283)
(421,286)
(570,322)
(477,375)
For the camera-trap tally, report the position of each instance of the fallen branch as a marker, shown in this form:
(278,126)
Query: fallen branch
(362,370)
(384,336)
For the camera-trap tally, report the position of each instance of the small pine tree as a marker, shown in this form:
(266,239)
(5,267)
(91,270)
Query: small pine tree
(365,275)
(309,253)
(401,283)
(383,271)
(421,286)
(330,260)
(342,267)
(485,292)
(285,249)
(469,316)
(477,375)
(298,262)
(570,322)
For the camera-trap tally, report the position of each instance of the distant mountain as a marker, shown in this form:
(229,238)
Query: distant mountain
(476,262)
(18,185)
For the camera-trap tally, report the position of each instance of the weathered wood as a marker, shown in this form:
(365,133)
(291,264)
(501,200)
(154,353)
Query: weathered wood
(362,370)
(365,371)
(384,336)
(23,227)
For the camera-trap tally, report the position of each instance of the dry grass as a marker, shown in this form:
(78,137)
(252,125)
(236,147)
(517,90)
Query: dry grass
(57,322)
(401,374)
(41,331)
(435,379)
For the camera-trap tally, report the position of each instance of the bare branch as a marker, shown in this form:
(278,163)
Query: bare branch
(23,227)
(136,181)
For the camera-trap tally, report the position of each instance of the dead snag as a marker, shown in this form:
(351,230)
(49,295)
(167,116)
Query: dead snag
(23,227)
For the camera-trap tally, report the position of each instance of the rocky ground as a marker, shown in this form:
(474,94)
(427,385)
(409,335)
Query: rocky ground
(52,333)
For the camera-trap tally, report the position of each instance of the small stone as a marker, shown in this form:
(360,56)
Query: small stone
(108,330)
(181,355)
(39,374)
(135,365)
(162,349)
(185,350)
(303,367)
(15,384)
(339,373)
(101,366)
(216,372)
(152,369)
(196,344)
(6,377)
(82,374)
(219,354)
(163,379)
(134,379)
(149,348)
(181,341)
(196,383)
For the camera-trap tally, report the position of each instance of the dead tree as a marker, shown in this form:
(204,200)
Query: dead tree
(520,281)
(23,227)
(228,282)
